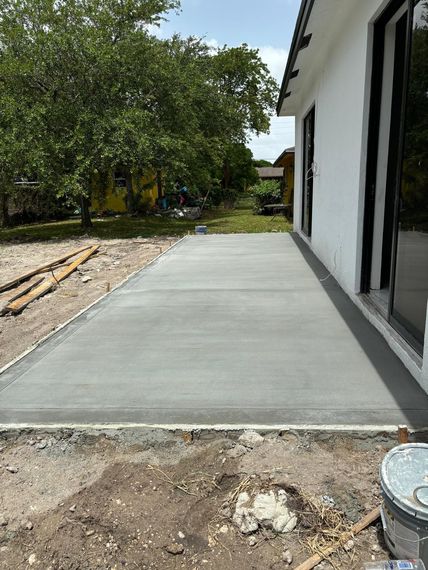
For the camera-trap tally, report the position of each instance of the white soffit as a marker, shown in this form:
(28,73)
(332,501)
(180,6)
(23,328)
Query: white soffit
(328,19)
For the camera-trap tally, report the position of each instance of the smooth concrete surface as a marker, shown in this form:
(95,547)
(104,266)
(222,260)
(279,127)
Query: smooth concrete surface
(222,329)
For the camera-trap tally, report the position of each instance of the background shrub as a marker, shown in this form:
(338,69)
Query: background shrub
(267,192)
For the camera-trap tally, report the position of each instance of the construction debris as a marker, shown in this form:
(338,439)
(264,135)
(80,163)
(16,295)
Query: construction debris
(48,283)
(251,438)
(369,519)
(41,269)
(191,213)
(268,510)
(10,296)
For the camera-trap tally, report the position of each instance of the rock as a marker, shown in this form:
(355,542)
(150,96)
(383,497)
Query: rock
(243,517)
(87,278)
(1,449)
(272,512)
(236,451)
(90,532)
(11,469)
(181,535)
(328,501)
(3,520)
(224,529)
(42,444)
(72,508)
(324,565)
(4,548)
(251,438)
(268,510)
(32,559)
(376,548)
(349,545)
(174,548)
(252,541)
(287,557)
(28,525)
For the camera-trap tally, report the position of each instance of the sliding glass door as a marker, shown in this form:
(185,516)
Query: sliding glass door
(408,304)
(396,226)
(308,177)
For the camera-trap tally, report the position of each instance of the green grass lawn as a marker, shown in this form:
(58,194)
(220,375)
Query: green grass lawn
(218,220)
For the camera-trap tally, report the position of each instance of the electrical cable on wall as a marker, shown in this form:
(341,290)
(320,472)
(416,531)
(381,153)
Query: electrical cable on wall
(331,274)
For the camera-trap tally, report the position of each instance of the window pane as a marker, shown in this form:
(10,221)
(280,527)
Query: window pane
(411,278)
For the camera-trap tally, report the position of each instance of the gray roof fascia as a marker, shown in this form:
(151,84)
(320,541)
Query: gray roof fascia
(299,33)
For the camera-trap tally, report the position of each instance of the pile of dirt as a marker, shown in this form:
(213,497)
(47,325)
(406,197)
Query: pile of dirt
(154,499)
(114,262)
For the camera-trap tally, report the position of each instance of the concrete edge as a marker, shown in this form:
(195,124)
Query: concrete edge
(85,309)
(325,428)
(410,359)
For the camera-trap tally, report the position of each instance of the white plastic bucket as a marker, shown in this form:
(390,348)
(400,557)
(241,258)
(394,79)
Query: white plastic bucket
(404,481)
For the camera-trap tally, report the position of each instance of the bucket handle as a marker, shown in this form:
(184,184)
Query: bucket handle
(417,499)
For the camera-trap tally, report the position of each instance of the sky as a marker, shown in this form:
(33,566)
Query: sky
(264,24)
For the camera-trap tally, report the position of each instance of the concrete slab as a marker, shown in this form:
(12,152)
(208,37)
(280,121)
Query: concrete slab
(225,329)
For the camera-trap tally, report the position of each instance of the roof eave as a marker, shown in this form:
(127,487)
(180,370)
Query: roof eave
(283,154)
(296,44)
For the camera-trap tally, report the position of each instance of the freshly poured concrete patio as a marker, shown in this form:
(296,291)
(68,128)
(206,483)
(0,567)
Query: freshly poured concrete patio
(227,329)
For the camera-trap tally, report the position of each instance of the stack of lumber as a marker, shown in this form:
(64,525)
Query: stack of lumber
(19,292)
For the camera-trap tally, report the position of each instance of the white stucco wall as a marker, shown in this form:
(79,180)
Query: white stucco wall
(339,86)
(340,90)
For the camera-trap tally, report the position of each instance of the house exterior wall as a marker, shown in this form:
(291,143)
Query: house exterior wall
(106,196)
(339,92)
(287,162)
(340,89)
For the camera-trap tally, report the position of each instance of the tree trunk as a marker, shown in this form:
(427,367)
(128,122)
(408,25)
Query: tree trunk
(85,214)
(130,202)
(5,219)
(226,174)
(159,183)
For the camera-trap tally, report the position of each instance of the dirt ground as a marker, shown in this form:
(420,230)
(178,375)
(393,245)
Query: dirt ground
(153,499)
(116,259)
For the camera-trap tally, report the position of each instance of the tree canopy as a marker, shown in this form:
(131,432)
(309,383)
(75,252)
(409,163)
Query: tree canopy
(86,88)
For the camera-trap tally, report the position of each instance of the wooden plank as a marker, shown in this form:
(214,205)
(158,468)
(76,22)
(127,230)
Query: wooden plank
(42,268)
(370,518)
(70,268)
(403,434)
(21,290)
(49,283)
(7,298)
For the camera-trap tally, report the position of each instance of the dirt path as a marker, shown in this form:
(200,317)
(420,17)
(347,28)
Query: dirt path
(115,261)
(79,501)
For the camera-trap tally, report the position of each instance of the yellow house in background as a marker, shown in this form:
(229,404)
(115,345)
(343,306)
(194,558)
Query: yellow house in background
(110,192)
(286,161)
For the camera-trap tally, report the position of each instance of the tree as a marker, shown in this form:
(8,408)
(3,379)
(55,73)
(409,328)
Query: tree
(211,101)
(261,163)
(239,171)
(99,92)
(66,58)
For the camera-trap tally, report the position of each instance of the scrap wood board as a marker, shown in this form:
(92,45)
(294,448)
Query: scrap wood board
(370,518)
(49,283)
(10,296)
(41,269)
